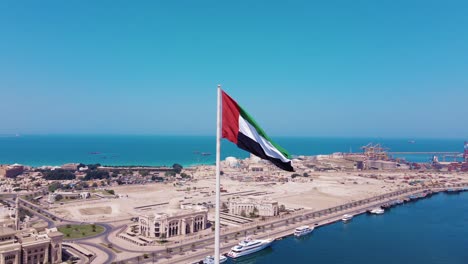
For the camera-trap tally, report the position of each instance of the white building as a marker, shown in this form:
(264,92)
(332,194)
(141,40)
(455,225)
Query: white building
(250,206)
(30,246)
(174,221)
(68,195)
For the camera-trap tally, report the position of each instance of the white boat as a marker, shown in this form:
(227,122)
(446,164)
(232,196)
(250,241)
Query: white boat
(249,246)
(303,230)
(211,259)
(377,210)
(347,218)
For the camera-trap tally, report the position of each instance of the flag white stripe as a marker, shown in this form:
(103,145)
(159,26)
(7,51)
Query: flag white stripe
(249,131)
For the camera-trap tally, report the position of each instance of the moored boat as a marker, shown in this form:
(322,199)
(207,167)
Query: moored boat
(346,218)
(249,246)
(377,210)
(303,230)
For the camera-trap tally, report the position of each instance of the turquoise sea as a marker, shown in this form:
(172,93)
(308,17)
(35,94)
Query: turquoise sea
(429,231)
(38,150)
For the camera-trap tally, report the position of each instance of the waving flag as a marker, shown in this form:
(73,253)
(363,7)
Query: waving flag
(241,129)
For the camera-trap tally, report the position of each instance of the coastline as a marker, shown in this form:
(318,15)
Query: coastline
(146,150)
(280,231)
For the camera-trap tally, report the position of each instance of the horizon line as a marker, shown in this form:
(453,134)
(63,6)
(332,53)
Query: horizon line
(19,135)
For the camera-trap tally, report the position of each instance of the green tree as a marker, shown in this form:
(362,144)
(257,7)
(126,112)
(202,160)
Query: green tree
(177,168)
(93,166)
(58,197)
(58,174)
(282,208)
(254,213)
(243,214)
(184,175)
(96,174)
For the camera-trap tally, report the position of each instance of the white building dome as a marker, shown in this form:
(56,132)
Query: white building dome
(232,162)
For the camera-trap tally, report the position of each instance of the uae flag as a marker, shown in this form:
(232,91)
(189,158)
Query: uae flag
(241,129)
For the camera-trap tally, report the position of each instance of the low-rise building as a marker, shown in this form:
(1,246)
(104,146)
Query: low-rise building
(250,206)
(11,171)
(67,196)
(174,221)
(70,166)
(29,246)
(381,164)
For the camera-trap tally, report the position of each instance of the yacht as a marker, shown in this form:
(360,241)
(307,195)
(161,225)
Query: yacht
(211,259)
(303,230)
(347,218)
(249,246)
(377,210)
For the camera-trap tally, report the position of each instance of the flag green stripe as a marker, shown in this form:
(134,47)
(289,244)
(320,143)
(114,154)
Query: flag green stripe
(260,131)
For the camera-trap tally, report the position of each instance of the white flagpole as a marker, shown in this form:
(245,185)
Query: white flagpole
(218,181)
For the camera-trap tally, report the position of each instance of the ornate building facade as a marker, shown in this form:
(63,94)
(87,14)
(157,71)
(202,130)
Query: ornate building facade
(250,206)
(173,222)
(30,246)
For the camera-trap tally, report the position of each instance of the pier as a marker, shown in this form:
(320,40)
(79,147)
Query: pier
(427,153)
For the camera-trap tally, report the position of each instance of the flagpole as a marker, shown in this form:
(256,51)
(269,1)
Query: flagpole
(218,181)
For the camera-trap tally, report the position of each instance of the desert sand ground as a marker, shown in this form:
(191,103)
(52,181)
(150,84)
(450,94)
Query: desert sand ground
(319,191)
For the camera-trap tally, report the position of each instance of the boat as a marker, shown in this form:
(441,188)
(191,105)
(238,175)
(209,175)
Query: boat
(347,218)
(303,230)
(249,246)
(411,141)
(211,259)
(377,210)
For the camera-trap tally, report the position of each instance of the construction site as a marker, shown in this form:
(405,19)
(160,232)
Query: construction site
(375,156)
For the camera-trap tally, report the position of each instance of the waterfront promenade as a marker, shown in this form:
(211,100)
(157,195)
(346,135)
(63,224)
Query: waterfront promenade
(193,249)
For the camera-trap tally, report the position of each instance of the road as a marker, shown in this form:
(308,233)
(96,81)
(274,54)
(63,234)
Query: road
(48,217)
(198,246)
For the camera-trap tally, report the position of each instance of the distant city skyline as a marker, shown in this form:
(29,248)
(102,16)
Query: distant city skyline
(393,69)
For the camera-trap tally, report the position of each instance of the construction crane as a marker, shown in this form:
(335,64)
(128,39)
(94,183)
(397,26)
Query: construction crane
(375,151)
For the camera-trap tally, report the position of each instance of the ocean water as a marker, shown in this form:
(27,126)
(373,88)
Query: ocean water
(38,150)
(429,231)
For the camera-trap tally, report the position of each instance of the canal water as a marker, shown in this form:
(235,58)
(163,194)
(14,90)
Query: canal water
(429,231)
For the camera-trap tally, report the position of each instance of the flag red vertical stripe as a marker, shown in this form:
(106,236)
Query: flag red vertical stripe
(230,118)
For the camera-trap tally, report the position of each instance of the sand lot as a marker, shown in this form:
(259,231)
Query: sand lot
(324,190)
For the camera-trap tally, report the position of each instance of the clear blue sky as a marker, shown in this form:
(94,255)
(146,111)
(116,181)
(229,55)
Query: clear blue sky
(390,68)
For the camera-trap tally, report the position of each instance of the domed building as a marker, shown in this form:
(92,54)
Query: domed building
(173,221)
(232,162)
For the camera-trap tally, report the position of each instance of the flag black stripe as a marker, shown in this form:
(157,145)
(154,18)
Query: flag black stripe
(255,148)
